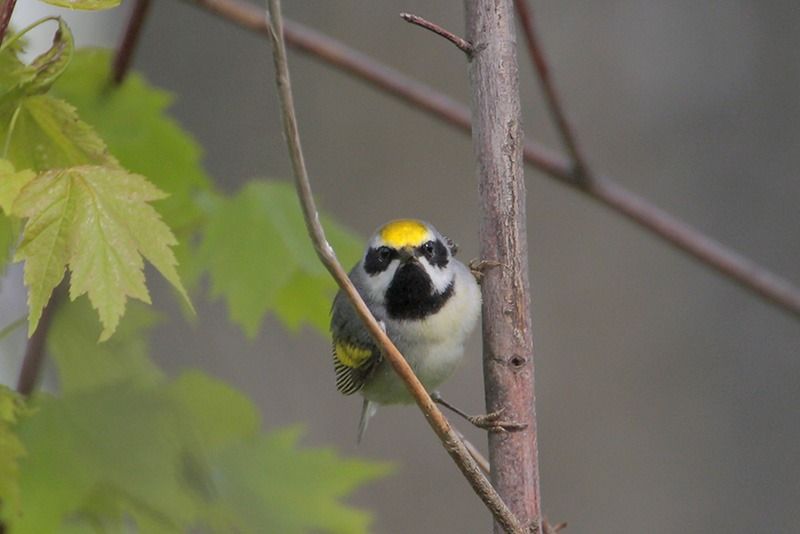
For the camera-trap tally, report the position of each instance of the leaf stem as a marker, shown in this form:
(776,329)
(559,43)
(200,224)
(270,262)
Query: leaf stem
(11,125)
(450,440)
(26,29)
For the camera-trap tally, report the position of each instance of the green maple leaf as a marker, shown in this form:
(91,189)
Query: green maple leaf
(170,456)
(97,221)
(37,131)
(87,5)
(40,133)
(47,67)
(102,455)
(11,450)
(260,258)
(132,120)
(268,484)
(8,236)
(10,65)
(36,78)
(83,363)
(11,182)
(218,414)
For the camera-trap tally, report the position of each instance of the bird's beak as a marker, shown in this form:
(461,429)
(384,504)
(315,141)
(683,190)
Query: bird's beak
(406,254)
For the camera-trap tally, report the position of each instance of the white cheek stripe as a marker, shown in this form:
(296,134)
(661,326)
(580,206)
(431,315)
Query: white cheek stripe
(441,278)
(379,283)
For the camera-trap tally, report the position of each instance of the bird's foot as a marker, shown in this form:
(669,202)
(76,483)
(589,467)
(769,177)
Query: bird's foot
(479,267)
(494,422)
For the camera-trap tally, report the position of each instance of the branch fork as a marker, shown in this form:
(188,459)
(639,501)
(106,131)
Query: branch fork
(750,275)
(450,439)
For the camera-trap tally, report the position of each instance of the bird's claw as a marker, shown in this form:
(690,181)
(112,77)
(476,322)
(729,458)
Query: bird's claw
(492,422)
(479,267)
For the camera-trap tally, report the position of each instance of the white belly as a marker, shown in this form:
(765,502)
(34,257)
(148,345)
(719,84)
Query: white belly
(434,347)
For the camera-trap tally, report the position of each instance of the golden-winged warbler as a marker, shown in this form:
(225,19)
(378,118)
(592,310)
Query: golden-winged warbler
(427,301)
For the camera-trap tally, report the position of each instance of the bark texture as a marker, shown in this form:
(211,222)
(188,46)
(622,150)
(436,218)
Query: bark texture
(507,338)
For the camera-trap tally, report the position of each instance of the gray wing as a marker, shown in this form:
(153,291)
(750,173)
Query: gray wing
(355,354)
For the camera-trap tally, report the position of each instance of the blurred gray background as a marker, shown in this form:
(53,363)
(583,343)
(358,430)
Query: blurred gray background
(668,398)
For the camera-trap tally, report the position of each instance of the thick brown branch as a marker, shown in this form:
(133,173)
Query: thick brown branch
(127,46)
(450,440)
(463,45)
(581,170)
(744,271)
(508,356)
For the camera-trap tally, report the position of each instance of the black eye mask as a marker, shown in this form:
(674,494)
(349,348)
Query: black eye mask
(378,259)
(438,256)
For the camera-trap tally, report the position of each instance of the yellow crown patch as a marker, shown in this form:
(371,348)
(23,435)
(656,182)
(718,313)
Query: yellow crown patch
(404,233)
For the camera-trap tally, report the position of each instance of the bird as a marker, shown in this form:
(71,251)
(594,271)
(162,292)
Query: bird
(427,301)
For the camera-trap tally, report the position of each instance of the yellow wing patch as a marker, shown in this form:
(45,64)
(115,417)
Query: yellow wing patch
(353,365)
(351,355)
(404,233)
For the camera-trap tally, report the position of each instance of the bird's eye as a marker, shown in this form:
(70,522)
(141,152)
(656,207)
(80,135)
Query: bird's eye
(384,253)
(428,248)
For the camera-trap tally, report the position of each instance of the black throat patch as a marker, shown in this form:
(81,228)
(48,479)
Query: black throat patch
(411,294)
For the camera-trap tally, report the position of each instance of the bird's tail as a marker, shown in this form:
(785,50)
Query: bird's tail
(368,409)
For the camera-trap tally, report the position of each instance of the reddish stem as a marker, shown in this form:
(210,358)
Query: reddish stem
(127,47)
(34,351)
(568,137)
(6,10)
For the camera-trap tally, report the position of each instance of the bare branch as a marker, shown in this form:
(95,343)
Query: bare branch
(753,277)
(452,443)
(127,46)
(464,45)
(581,170)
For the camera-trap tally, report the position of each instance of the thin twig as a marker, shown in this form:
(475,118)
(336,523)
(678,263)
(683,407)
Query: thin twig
(581,169)
(463,45)
(479,458)
(6,10)
(753,277)
(127,46)
(454,446)
(34,351)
